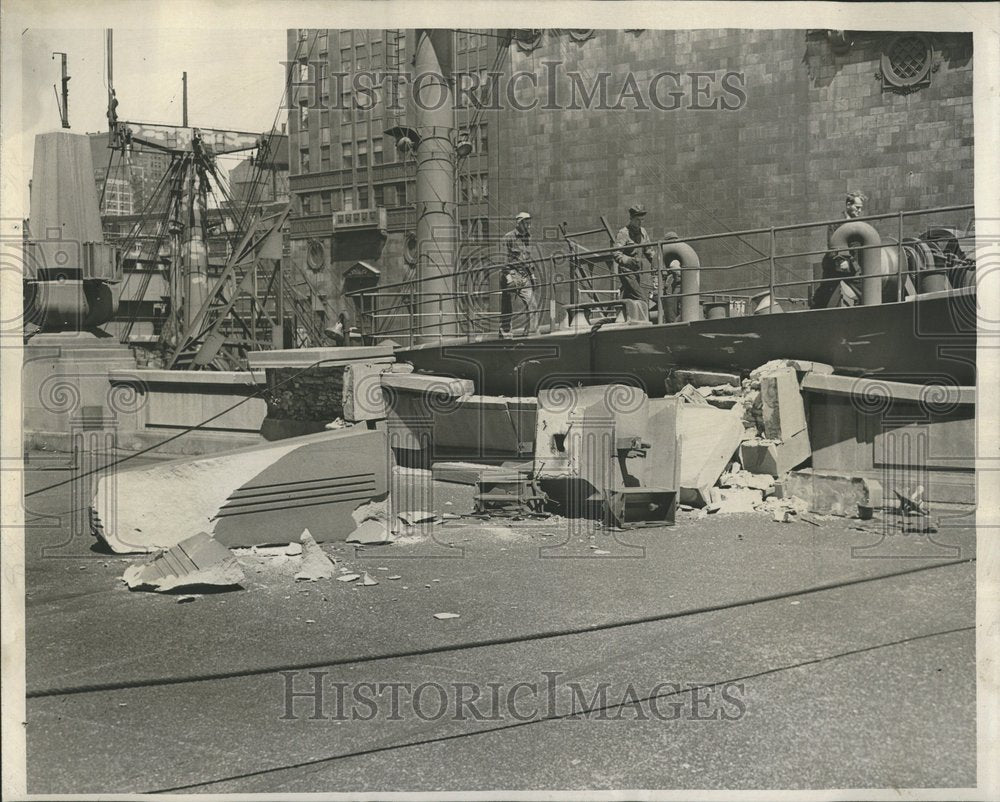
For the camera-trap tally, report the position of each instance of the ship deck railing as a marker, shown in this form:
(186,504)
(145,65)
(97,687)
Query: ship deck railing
(408,312)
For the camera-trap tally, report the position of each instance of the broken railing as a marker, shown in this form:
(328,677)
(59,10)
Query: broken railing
(409,313)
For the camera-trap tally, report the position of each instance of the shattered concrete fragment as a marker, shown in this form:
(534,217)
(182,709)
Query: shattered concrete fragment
(443,616)
(315,564)
(739,499)
(833,493)
(700,378)
(783,407)
(416,517)
(370,533)
(348,577)
(368,580)
(198,560)
(764,456)
(692,396)
(709,438)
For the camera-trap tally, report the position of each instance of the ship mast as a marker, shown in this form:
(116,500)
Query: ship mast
(193,153)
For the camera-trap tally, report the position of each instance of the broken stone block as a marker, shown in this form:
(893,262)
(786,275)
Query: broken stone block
(370,533)
(830,493)
(806,366)
(691,396)
(784,412)
(722,401)
(739,499)
(742,478)
(775,458)
(198,560)
(315,564)
(709,437)
(699,378)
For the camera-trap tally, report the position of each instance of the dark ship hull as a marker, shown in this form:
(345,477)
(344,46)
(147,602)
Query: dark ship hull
(930,339)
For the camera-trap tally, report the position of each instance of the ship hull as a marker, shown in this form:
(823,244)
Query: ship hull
(932,339)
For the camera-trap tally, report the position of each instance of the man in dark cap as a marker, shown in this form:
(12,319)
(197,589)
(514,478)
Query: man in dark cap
(516,278)
(634,258)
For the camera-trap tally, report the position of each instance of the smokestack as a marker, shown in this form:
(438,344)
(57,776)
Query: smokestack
(436,229)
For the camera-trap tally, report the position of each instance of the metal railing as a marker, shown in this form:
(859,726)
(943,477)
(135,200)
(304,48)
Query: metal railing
(415,315)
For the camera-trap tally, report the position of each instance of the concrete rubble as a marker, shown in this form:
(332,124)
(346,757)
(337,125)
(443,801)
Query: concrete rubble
(198,560)
(316,564)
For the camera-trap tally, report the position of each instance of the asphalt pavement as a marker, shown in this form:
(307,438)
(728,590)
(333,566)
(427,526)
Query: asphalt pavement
(727,652)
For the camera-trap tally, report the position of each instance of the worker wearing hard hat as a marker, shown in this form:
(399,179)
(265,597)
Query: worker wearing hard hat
(516,278)
(634,259)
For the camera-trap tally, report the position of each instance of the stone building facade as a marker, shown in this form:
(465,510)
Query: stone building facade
(715,131)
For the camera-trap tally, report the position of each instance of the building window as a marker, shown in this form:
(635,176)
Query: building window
(482,140)
(307,206)
(304,160)
(380,196)
(907,63)
(323,43)
(348,200)
(463,185)
(347,155)
(324,136)
(303,34)
(324,157)
(303,116)
(362,197)
(327,206)
(362,154)
(377,151)
(401,194)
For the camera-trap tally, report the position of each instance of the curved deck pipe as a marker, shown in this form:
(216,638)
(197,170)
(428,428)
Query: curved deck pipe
(872,271)
(690,277)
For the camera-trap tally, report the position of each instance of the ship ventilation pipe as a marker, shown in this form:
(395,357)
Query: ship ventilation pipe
(871,257)
(690,277)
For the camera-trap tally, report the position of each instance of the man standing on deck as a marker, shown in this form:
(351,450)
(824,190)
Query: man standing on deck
(634,259)
(516,278)
(845,265)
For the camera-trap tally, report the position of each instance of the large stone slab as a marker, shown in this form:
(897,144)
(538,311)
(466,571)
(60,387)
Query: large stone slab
(246,497)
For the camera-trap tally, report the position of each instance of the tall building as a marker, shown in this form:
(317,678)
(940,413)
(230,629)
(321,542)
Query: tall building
(127,185)
(354,223)
(714,131)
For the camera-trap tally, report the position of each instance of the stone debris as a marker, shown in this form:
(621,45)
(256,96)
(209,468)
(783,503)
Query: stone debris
(739,499)
(680,377)
(348,577)
(412,518)
(315,563)
(737,477)
(691,395)
(830,493)
(443,616)
(198,560)
(368,580)
(709,437)
(371,533)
